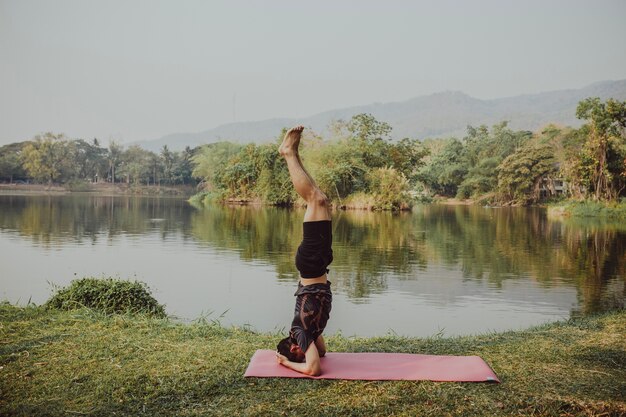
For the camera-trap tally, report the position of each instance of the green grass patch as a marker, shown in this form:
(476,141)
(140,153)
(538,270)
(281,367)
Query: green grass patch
(609,210)
(108,296)
(83,362)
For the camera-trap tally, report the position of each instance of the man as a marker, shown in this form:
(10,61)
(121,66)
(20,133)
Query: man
(301,351)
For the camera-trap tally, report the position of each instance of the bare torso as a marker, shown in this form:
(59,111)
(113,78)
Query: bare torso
(309,281)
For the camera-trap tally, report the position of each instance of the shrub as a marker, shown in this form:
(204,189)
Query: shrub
(79,186)
(108,296)
(390,189)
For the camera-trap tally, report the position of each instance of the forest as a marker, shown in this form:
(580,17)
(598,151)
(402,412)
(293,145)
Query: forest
(358,164)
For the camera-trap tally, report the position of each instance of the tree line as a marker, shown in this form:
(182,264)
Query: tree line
(54,159)
(357,164)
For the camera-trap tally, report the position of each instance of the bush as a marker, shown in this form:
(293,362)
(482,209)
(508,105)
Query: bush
(390,189)
(79,186)
(108,296)
(360,201)
(589,208)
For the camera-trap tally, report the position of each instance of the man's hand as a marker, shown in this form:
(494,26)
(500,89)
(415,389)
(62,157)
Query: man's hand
(281,359)
(310,367)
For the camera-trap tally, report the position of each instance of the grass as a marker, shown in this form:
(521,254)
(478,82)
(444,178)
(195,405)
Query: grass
(610,210)
(84,362)
(106,295)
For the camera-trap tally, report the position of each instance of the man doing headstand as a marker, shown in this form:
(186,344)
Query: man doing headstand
(302,349)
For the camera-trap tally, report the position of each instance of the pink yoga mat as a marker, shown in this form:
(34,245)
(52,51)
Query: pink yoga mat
(381,366)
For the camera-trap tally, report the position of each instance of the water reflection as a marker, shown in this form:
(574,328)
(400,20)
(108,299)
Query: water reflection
(54,220)
(415,253)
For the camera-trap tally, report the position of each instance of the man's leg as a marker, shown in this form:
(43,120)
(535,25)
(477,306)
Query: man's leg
(316,200)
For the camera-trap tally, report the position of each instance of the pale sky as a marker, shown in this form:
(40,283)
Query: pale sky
(134,70)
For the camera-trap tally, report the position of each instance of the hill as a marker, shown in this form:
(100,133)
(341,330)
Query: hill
(441,114)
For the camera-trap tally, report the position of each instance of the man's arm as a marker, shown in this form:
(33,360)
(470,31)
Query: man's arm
(311,366)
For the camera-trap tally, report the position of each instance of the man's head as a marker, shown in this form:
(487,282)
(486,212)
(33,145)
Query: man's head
(290,350)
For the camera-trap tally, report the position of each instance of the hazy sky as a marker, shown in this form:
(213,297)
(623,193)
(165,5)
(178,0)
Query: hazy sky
(132,70)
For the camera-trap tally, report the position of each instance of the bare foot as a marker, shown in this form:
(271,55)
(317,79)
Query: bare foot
(291,141)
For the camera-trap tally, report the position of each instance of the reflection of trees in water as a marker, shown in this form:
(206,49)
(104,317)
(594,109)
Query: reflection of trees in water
(256,233)
(365,245)
(596,260)
(53,220)
(370,246)
(512,243)
(491,244)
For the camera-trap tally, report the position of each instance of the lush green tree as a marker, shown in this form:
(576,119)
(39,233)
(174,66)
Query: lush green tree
(136,165)
(182,168)
(445,169)
(239,176)
(480,179)
(370,138)
(90,160)
(407,157)
(600,166)
(484,149)
(390,188)
(156,168)
(211,158)
(274,183)
(114,158)
(337,169)
(521,174)
(47,157)
(11,162)
(168,159)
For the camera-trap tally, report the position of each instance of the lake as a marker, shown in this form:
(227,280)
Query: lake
(438,270)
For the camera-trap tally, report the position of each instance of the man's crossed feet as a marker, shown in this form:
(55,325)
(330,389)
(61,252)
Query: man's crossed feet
(291,141)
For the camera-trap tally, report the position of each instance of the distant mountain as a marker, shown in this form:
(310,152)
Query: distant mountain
(437,115)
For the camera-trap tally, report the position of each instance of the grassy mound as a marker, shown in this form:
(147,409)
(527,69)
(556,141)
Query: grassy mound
(108,296)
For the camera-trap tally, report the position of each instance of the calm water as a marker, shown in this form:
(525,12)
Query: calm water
(439,270)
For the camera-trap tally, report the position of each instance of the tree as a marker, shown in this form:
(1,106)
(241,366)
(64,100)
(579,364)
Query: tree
(11,162)
(114,157)
(521,174)
(445,170)
(484,149)
(601,163)
(480,179)
(389,188)
(156,168)
(407,157)
(370,138)
(47,157)
(168,159)
(238,178)
(90,160)
(182,169)
(136,165)
(210,158)
(338,170)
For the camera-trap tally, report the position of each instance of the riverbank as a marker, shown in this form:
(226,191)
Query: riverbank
(101,188)
(614,210)
(85,363)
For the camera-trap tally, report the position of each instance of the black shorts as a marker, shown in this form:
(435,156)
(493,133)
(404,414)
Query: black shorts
(313,305)
(315,252)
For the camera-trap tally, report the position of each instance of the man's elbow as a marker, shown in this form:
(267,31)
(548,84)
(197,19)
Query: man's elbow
(313,370)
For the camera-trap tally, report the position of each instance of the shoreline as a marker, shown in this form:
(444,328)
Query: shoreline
(104,189)
(84,362)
